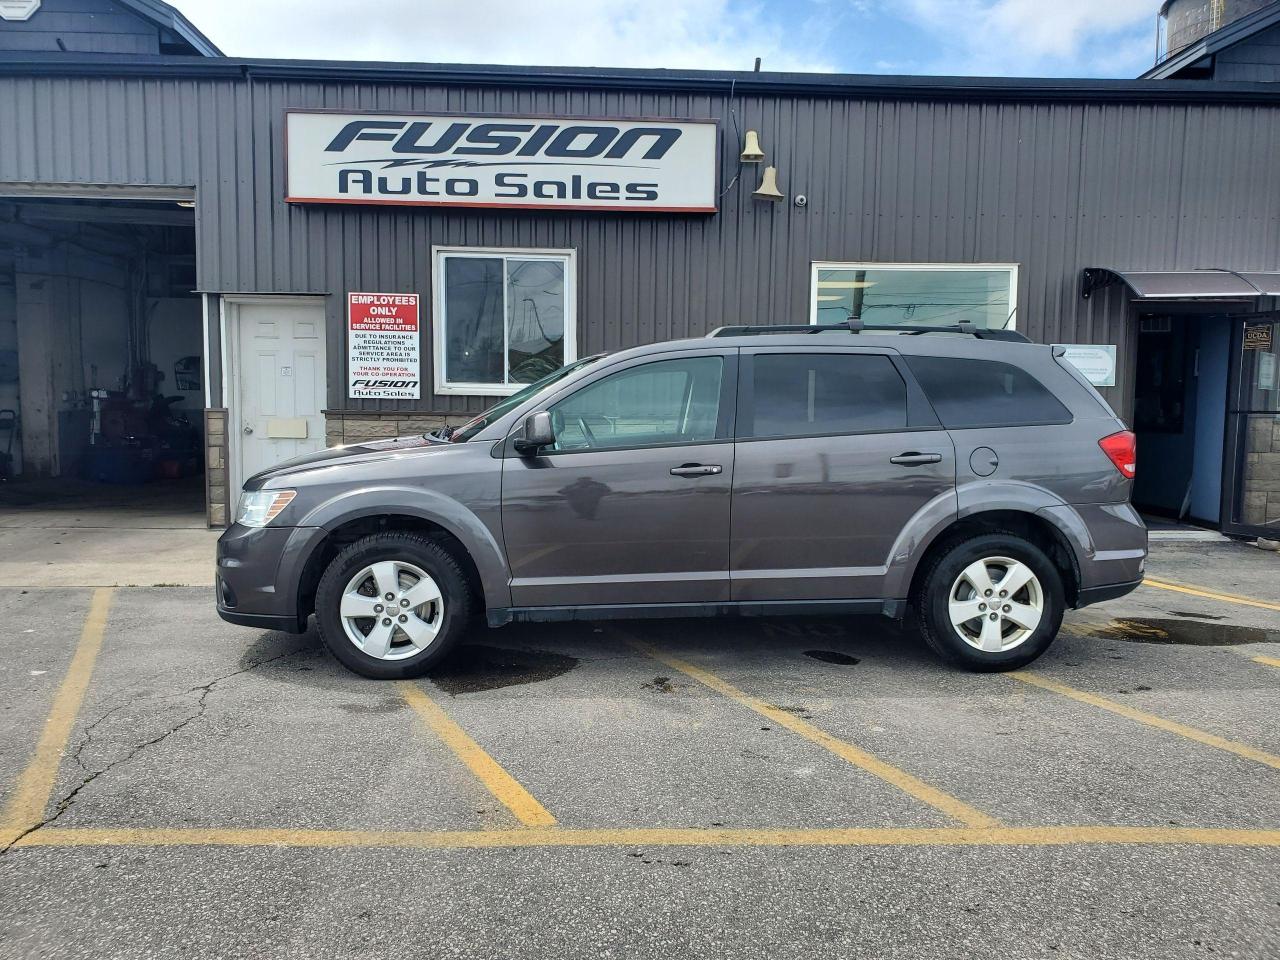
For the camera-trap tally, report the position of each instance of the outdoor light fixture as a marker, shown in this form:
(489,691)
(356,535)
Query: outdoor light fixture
(768,189)
(751,152)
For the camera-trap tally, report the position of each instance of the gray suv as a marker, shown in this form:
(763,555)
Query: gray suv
(965,478)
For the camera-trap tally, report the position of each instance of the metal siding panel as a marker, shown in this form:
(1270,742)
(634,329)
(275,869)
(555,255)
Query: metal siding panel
(1052,186)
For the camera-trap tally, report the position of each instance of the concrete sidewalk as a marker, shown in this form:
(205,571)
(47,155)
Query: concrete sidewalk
(69,532)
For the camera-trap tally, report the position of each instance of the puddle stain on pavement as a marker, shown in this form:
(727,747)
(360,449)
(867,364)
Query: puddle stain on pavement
(832,656)
(475,668)
(1183,632)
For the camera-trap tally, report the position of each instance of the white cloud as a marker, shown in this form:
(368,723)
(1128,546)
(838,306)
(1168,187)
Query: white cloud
(709,34)
(1030,37)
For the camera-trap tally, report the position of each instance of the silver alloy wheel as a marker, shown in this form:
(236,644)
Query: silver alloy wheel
(392,610)
(995,604)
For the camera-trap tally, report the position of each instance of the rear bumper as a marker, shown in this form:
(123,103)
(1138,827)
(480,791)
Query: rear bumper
(1110,591)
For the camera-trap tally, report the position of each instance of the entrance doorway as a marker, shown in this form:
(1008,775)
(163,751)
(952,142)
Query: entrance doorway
(276,354)
(1253,430)
(1180,416)
(101,360)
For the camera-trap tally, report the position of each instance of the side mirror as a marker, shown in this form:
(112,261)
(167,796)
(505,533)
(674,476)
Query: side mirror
(538,433)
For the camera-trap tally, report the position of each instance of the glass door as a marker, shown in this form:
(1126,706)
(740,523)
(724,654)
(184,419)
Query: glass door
(1252,491)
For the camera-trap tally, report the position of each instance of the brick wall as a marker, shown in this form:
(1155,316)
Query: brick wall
(353,427)
(1262,472)
(217,494)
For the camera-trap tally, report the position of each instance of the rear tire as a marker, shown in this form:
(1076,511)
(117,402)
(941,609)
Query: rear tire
(1006,631)
(398,636)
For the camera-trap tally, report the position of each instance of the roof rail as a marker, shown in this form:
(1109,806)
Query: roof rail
(857,326)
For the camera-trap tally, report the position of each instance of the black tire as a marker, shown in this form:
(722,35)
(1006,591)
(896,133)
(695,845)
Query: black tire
(426,554)
(933,596)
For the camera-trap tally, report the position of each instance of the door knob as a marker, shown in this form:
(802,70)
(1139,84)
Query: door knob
(248,429)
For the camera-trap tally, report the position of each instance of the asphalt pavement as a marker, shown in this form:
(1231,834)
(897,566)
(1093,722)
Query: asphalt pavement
(174,786)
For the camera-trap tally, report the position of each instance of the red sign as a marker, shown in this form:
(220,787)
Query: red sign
(383,355)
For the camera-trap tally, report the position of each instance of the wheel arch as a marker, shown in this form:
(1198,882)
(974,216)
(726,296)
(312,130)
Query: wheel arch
(448,522)
(1033,526)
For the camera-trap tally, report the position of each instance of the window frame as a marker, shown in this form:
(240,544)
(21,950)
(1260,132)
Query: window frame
(439,325)
(920,415)
(817,265)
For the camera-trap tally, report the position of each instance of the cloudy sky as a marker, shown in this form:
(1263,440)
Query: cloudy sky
(1084,38)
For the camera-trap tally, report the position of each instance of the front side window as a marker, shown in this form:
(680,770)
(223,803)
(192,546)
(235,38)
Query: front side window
(503,319)
(801,394)
(924,294)
(655,404)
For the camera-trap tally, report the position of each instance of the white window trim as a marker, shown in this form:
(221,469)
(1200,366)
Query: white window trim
(439,321)
(864,265)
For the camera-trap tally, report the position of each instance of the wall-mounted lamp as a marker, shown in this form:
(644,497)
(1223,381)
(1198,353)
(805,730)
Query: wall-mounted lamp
(768,189)
(751,152)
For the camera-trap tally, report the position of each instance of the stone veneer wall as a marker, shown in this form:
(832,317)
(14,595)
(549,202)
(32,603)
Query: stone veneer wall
(216,492)
(1262,472)
(353,427)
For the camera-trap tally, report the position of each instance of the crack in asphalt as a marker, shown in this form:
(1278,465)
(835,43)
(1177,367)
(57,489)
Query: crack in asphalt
(204,689)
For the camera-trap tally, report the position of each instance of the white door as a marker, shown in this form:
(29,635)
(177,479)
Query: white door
(278,381)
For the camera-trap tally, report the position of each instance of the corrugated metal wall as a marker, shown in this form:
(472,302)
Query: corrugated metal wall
(1054,187)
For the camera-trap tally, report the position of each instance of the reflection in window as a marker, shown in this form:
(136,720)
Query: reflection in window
(940,295)
(502,318)
(670,401)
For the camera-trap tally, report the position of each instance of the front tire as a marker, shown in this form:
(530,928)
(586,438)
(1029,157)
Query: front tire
(991,603)
(392,605)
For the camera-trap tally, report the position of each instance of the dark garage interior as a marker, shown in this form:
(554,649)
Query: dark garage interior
(101,370)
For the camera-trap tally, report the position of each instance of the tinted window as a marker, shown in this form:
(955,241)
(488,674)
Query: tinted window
(801,394)
(671,401)
(985,393)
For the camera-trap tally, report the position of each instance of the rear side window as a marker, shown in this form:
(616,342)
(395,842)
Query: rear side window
(985,393)
(801,394)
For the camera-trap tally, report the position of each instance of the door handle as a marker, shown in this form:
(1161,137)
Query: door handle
(247,429)
(697,470)
(913,459)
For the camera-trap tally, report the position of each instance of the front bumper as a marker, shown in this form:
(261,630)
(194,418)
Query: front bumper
(258,572)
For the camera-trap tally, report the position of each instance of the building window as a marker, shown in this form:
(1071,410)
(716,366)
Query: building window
(503,318)
(939,294)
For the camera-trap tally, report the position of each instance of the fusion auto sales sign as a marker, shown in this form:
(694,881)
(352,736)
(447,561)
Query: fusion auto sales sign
(488,161)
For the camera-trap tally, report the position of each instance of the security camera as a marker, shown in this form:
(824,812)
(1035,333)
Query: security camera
(801,200)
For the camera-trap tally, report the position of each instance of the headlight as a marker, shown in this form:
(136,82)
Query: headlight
(259,507)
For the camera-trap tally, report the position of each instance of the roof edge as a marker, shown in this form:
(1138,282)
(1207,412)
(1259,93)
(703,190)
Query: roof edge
(165,15)
(1225,36)
(870,86)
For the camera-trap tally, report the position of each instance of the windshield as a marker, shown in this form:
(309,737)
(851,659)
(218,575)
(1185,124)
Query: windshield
(469,429)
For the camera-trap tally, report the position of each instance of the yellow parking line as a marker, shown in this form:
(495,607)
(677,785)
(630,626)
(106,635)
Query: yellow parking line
(670,837)
(25,808)
(1150,719)
(846,751)
(498,782)
(1269,661)
(1210,594)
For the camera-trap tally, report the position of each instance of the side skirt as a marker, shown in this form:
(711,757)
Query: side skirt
(498,616)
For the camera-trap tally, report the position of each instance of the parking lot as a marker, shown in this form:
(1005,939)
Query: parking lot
(176,786)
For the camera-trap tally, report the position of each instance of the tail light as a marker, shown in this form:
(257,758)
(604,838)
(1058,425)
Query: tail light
(1122,449)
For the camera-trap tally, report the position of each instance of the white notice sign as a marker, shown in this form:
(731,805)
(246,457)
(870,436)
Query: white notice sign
(383,346)
(1096,361)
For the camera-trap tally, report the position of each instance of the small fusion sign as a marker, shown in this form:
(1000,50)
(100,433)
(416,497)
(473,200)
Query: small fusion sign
(487,161)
